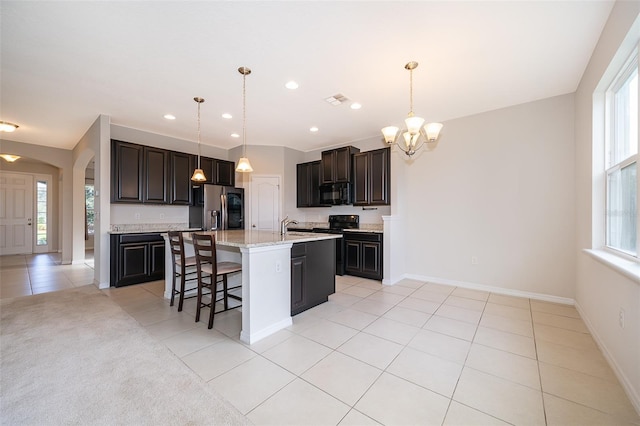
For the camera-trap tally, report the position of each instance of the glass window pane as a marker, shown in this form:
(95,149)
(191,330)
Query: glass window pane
(622,212)
(89,209)
(41,213)
(624,140)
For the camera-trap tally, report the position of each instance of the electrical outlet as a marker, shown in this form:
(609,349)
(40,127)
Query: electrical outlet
(474,260)
(278,266)
(161,215)
(137,216)
(621,318)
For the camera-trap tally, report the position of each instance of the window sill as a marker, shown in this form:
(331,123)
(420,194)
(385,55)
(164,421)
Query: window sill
(628,268)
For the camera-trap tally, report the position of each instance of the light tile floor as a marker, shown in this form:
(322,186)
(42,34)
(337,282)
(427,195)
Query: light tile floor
(413,353)
(23,275)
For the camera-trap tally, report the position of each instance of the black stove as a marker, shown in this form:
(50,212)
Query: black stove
(337,224)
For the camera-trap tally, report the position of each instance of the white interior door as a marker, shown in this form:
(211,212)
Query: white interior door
(265,203)
(16,210)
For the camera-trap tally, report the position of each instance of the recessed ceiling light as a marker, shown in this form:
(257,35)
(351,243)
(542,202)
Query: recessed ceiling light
(227,116)
(291,85)
(235,135)
(356,105)
(5,126)
(170,117)
(313,129)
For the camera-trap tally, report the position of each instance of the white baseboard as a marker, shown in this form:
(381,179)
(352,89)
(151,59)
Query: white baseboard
(624,380)
(492,289)
(251,338)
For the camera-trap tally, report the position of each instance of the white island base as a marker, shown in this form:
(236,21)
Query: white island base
(266,276)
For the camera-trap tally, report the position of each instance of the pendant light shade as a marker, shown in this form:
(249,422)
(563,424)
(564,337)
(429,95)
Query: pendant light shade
(198,174)
(244,166)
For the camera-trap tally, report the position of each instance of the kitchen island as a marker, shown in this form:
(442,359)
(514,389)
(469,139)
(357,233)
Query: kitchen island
(266,274)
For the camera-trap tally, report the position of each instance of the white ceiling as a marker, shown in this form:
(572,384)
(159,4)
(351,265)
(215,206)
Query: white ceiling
(64,63)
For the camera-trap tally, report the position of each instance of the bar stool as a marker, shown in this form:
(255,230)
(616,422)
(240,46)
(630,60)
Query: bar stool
(208,268)
(180,265)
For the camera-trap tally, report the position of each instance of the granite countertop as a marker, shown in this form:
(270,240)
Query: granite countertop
(364,227)
(372,230)
(249,238)
(147,228)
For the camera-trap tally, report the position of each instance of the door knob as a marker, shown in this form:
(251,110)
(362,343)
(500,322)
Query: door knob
(253,226)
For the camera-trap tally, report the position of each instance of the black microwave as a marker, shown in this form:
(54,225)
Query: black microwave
(334,194)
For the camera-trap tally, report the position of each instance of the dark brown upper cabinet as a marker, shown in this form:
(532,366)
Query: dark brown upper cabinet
(156,176)
(181,169)
(225,173)
(144,174)
(371,178)
(126,172)
(218,172)
(308,184)
(336,164)
(208,167)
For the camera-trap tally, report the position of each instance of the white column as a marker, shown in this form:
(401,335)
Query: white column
(266,291)
(394,249)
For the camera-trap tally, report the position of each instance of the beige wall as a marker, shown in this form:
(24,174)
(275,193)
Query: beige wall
(499,187)
(601,291)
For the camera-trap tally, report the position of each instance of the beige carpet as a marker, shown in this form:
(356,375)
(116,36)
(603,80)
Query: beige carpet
(75,357)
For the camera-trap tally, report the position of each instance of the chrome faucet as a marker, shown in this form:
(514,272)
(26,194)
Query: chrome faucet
(284,223)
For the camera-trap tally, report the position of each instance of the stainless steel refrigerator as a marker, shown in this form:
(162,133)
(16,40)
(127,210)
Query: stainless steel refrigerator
(216,207)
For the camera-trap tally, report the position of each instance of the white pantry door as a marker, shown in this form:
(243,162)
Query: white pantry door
(16,210)
(265,202)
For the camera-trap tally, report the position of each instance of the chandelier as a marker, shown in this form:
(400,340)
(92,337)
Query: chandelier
(244,166)
(415,135)
(198,174)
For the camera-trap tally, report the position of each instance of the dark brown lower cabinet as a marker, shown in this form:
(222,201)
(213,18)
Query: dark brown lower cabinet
(136,258)
(313,274)
(363,254)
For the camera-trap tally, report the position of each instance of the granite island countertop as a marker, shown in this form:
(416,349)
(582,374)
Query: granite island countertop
(252,238)
(149,228)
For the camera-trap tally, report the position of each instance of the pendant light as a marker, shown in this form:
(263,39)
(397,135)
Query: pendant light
(198,174)
(244,166)
(415,135)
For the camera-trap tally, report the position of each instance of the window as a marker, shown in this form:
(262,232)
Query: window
(89,209)
(41,212)
(621,157)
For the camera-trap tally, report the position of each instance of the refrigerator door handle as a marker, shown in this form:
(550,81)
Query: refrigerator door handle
(223,211)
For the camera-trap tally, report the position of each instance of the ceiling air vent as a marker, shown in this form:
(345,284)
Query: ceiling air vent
(337,99)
